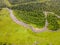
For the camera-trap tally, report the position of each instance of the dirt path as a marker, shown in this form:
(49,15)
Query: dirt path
(16,20)
(46,12)
(26,3)
(26,25)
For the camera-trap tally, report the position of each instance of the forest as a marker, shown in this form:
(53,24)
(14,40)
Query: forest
(33,12)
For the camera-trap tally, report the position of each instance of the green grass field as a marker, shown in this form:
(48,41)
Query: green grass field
(10,32)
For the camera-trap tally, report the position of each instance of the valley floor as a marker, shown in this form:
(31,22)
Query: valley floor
(15,34)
